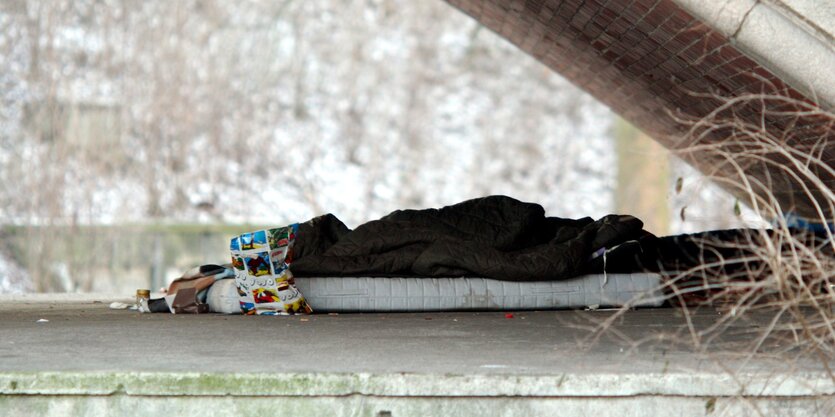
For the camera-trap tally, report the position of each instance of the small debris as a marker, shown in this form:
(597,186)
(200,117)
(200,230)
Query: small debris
(508,316)
(333,314)
(42,321)
(427,318)
(118,306)
(304,319)
(593,307)
(710,405)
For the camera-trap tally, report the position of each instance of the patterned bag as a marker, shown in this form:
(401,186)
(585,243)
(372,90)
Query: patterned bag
(265,284)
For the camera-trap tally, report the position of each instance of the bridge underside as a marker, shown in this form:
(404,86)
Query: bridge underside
(664,70)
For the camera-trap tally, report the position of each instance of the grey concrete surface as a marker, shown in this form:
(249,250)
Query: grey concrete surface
(92,337)
(91,360)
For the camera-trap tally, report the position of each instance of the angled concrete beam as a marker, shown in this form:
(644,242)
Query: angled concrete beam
(791,38)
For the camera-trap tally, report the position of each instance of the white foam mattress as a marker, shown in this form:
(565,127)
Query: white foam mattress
(365,294)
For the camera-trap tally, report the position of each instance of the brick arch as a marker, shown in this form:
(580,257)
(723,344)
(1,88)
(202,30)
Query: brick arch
(655,64)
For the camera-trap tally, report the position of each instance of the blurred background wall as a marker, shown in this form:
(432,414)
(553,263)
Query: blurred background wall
(136,136)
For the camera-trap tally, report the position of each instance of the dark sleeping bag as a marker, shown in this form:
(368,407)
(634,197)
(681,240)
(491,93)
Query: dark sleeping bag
(496,237)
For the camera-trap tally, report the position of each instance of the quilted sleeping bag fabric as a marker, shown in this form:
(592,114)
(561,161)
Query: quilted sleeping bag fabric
(495,237)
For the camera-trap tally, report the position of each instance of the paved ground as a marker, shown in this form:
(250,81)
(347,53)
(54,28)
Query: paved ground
(86,348)
(90,336)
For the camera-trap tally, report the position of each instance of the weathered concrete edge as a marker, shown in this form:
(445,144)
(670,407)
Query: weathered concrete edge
(775,39)
(410,384)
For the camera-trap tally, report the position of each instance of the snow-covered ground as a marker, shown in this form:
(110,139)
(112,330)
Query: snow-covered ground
(13,278)
(254,112)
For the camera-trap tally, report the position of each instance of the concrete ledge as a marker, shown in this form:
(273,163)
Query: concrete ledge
(62,298)
(414,385)
(356,405)
(81,358)
(206,394)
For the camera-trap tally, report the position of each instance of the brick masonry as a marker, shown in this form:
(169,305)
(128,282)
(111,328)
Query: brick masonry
(662,69)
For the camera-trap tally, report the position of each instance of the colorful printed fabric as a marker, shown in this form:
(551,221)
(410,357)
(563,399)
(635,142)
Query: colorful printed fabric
(265,284)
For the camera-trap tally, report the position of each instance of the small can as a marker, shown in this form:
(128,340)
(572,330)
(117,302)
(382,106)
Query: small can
(142,298)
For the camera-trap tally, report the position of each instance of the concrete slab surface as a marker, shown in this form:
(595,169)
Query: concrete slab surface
(87,359)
